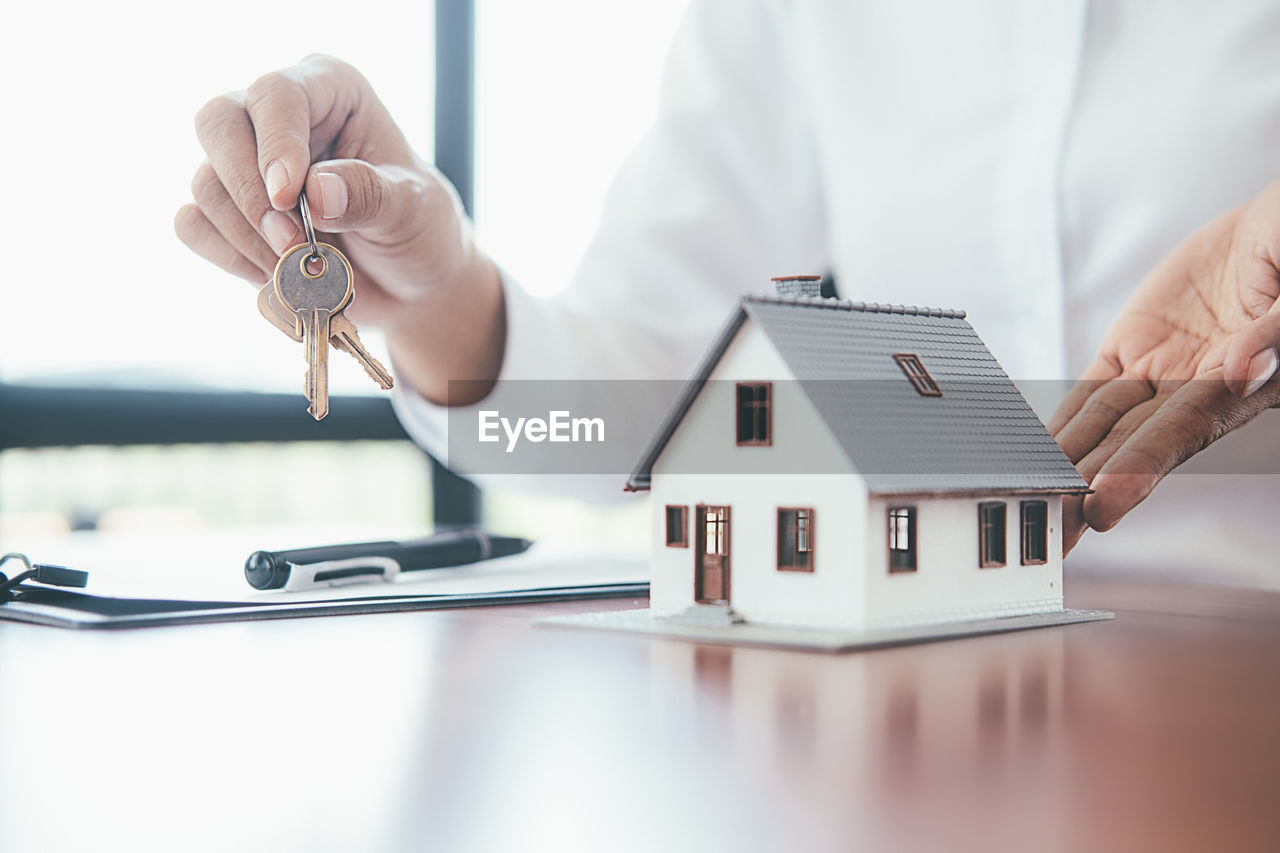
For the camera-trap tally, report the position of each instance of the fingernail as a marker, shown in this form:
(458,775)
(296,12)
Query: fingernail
(333,195)
(279,230)
(277,179)
(1261,368)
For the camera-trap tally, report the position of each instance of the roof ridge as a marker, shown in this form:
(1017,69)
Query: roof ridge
(847,305)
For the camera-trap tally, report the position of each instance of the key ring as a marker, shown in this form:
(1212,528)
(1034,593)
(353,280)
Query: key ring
(307,226)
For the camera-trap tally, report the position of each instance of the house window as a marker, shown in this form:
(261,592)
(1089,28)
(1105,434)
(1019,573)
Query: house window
(755,413)
(1035,533)
(677,526)
(919,377)
(902,539)
(991,534)
(795,540)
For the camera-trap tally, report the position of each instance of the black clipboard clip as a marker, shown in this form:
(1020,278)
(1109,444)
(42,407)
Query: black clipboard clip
(40,573)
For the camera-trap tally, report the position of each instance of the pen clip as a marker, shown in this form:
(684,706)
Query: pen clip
(304,576)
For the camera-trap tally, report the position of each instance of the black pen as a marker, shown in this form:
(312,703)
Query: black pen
(334,565)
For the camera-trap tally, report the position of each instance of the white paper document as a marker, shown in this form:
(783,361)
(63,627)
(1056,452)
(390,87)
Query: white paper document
(209,567)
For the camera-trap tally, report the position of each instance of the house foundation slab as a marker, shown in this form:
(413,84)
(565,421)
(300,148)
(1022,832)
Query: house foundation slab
(749,634)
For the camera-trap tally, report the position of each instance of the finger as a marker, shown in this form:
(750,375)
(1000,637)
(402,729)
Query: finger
(1195,416)
(352,195)
(227,137)
(1119,433)
(1098,373)
(298,113)
(197,232)
(1252,359)
(1073,523)
(221,211)
(280,113)
(1099,412)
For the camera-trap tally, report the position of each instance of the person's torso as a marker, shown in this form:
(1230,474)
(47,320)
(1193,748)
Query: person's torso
(1031,162)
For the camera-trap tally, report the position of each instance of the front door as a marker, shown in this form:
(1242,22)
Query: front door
(711,567)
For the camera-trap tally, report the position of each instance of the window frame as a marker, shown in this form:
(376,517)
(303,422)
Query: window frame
(782,531)
(1024,536)
(911,549)
(917,374)
(985,560)
(683,542)
(767,441)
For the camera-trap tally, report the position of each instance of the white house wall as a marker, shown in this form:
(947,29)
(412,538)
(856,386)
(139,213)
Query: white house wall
(702,464)
(948,584)
(829,596)
(705,441)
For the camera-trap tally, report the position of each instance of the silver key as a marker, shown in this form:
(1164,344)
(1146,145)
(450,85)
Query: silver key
(342,334)
(314,288)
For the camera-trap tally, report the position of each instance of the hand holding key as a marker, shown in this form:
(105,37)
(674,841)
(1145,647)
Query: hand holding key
(422,278)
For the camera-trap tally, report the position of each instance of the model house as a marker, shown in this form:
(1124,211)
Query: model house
(852,466)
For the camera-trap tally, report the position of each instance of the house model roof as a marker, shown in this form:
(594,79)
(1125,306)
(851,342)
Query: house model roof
(980,435)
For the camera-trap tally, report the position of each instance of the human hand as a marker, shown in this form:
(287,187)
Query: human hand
(419,274)
(1192,356)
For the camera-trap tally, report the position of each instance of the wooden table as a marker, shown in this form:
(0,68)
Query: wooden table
(473,730)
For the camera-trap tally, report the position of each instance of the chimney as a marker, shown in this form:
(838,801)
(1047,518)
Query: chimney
(793,286)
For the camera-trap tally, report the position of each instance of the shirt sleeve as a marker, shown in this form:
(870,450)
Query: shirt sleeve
(721,194)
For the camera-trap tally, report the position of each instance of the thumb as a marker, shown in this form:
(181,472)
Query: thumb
(1252,357)
(352,195)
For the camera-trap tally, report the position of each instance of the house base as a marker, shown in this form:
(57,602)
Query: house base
(680,626)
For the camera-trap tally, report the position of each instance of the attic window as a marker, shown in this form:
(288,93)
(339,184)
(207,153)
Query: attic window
(919,377)
(755,414)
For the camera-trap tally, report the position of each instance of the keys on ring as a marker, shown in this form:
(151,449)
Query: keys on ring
(311,286)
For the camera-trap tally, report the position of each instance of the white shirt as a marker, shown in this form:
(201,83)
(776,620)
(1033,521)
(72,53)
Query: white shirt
(1027,161)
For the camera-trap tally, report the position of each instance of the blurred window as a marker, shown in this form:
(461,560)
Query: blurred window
(96,284)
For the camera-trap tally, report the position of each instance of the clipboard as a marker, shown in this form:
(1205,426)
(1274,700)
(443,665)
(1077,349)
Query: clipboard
(62,609)
(539,575)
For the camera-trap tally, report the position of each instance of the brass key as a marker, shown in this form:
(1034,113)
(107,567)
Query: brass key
(342,334)
(314,284)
